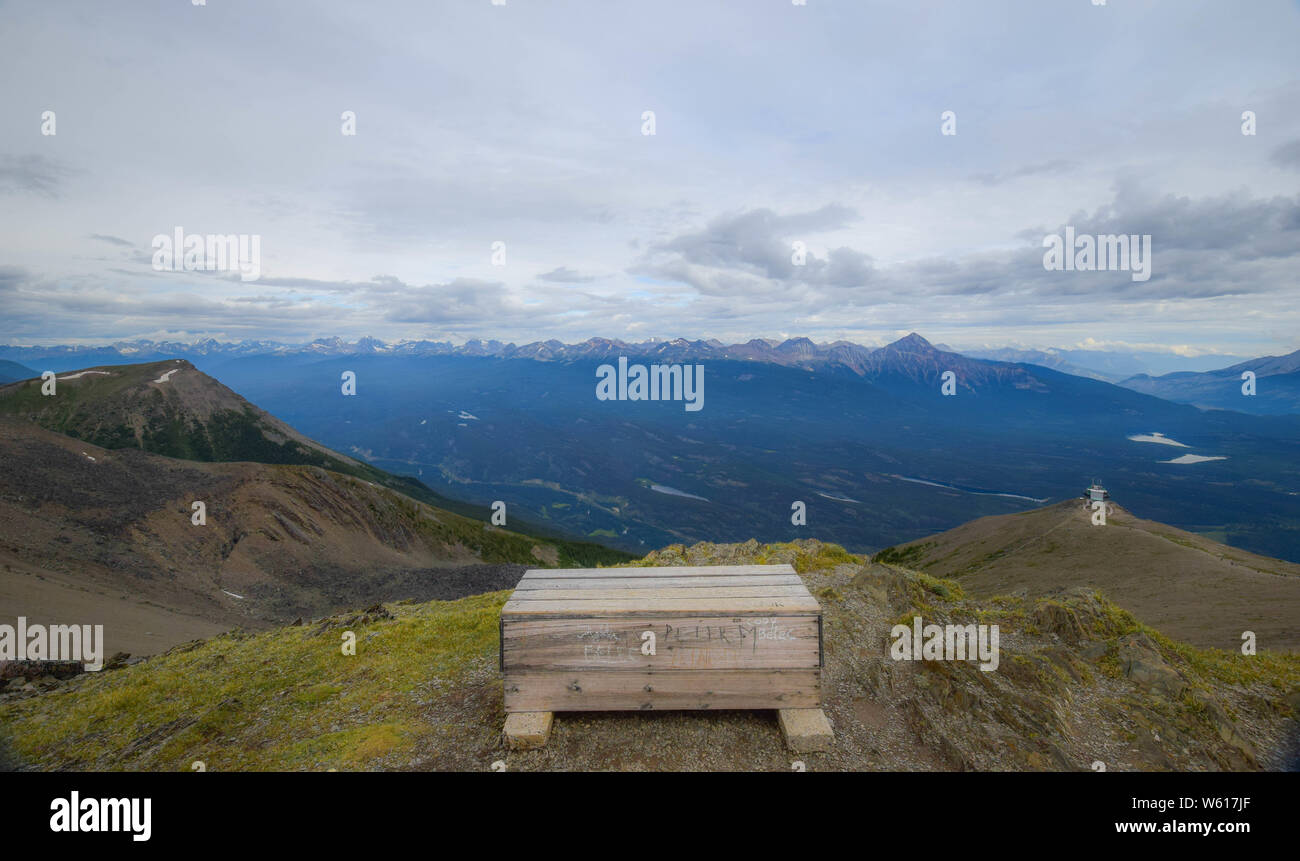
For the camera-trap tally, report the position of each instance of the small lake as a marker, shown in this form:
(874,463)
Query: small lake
(672,491)
(972,490)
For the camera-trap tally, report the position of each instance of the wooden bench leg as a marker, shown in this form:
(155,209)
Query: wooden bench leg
(528,730)
(806,730)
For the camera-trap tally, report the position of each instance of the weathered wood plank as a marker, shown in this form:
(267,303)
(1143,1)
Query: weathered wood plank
(579,596)
(679,643)
(646,690)
(596,584)
(659,571)
(685,604)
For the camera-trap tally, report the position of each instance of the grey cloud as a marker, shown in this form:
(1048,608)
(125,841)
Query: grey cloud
(136,273)
(1054,166)
(1202,248)
(11,277)
(379,284)
(306,283)
(112,240)
(565,275)
(32,174)
(1241,226)
(1213,247)
(752,251)
(265,301)
(1287,155)
(459,301)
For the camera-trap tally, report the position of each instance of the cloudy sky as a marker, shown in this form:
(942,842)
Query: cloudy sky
(774,124)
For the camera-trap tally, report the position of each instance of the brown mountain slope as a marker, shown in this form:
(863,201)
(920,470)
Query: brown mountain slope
(114,527)
(168,408)
(1188,586)
(95,514)
(171,408)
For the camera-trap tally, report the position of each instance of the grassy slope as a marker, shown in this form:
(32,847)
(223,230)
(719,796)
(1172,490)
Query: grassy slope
(423,690)
(284,699)
(1189,586)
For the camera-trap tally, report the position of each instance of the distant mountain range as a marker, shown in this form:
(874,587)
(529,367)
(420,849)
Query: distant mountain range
(794,352)
(1276,386)
(1107,365)
(1197,380)
(11,371)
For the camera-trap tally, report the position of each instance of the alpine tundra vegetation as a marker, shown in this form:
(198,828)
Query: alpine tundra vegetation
(1081,681)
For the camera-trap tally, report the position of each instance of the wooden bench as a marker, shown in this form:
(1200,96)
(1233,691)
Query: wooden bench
(612,639)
